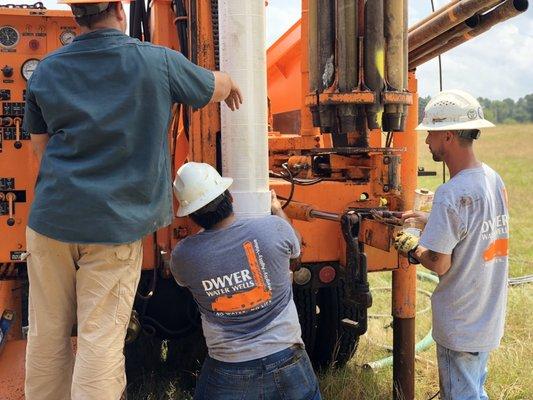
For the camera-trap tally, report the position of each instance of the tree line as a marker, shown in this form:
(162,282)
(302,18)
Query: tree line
(506,111)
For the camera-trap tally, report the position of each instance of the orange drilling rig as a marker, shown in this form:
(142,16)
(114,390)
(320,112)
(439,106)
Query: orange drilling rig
(342,153)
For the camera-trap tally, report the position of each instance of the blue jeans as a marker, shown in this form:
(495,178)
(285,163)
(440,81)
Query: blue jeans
(461,374)
(286,375)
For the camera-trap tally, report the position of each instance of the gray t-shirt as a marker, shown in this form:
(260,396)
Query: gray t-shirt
(240,278)
(469,220)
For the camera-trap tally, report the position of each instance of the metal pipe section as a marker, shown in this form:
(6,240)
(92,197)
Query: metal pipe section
(305,212)
(326,58)
(433,15)
(404,278)
(374,59)
(394,60)
(306,117)
(456,31)
(244,132)
(403,357)
(405,58)
(347,65)
(313,56)
(505,11)
(325,215)
(447,20)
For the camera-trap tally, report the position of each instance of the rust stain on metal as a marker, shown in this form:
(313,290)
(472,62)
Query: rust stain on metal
(376,234)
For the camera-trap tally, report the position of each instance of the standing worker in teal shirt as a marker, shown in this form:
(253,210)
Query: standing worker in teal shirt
(98,111)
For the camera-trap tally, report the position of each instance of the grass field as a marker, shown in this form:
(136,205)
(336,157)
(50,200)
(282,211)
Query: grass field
(508,150)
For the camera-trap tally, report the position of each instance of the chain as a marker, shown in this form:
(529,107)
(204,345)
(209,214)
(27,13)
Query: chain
(37,6)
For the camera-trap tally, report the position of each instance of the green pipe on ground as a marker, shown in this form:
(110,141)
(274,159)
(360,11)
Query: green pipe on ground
(424,344)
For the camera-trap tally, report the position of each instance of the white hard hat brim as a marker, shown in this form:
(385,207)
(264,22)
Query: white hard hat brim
(203,201)
(455,126)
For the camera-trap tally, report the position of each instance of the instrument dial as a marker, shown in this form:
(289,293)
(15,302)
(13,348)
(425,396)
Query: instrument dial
(29,67)
(9,37)
(66,37)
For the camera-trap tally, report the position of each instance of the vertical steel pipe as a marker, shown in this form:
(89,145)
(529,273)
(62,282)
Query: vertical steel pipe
(405,58)
(326,58)
(312,32)
(394,60)
(347,65)
(404,278)
(374,59)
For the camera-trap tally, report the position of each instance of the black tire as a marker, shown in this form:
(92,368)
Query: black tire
(305,300)
(335,344)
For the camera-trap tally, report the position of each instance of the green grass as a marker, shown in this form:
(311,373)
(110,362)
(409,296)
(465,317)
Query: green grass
(507,149)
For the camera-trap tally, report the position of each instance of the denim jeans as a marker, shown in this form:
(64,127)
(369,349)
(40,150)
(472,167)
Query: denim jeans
(461,374)
(286,375)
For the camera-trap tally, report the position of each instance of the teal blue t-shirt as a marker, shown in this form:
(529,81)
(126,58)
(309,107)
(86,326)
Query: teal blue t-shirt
(105,102)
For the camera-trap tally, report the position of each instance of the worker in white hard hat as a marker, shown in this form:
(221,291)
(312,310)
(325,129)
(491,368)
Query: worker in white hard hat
(238,272)
(98,110)
(465,241)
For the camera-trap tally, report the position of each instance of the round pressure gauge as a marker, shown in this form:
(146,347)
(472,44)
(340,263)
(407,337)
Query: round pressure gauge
(66,37)
(28,67)
(9,37)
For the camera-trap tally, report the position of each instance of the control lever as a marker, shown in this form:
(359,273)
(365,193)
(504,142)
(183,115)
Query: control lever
(18,143)
(10,197)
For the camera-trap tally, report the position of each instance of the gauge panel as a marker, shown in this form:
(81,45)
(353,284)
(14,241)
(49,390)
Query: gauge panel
(28,67)
(66,37)
(9,37)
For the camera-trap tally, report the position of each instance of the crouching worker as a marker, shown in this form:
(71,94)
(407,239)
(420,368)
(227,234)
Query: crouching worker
(238,273)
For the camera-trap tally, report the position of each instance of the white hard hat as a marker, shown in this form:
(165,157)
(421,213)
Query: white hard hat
(452,110)
(196,185)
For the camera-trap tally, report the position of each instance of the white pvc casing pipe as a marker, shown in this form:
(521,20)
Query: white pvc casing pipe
(244,132)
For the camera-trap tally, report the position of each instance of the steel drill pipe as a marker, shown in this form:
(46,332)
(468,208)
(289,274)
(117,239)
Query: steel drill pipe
(405,58)
(394,60)
(503,12)
(347,67)
(433,15)
(374,59)
(313,46)
(314,84)
(326,58)
(441,40)
(445,21)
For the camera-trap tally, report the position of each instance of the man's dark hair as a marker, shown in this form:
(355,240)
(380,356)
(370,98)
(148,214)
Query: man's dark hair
(89,21)
(214,212)
(466,136)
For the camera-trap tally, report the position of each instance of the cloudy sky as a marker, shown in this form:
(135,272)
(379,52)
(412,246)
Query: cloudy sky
(496,65)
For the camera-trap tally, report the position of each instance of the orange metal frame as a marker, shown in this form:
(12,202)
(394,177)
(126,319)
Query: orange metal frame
(288,89)
(39,34)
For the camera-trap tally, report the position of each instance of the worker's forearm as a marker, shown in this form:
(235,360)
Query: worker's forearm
(280,213)
(222,86)
(436,262)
